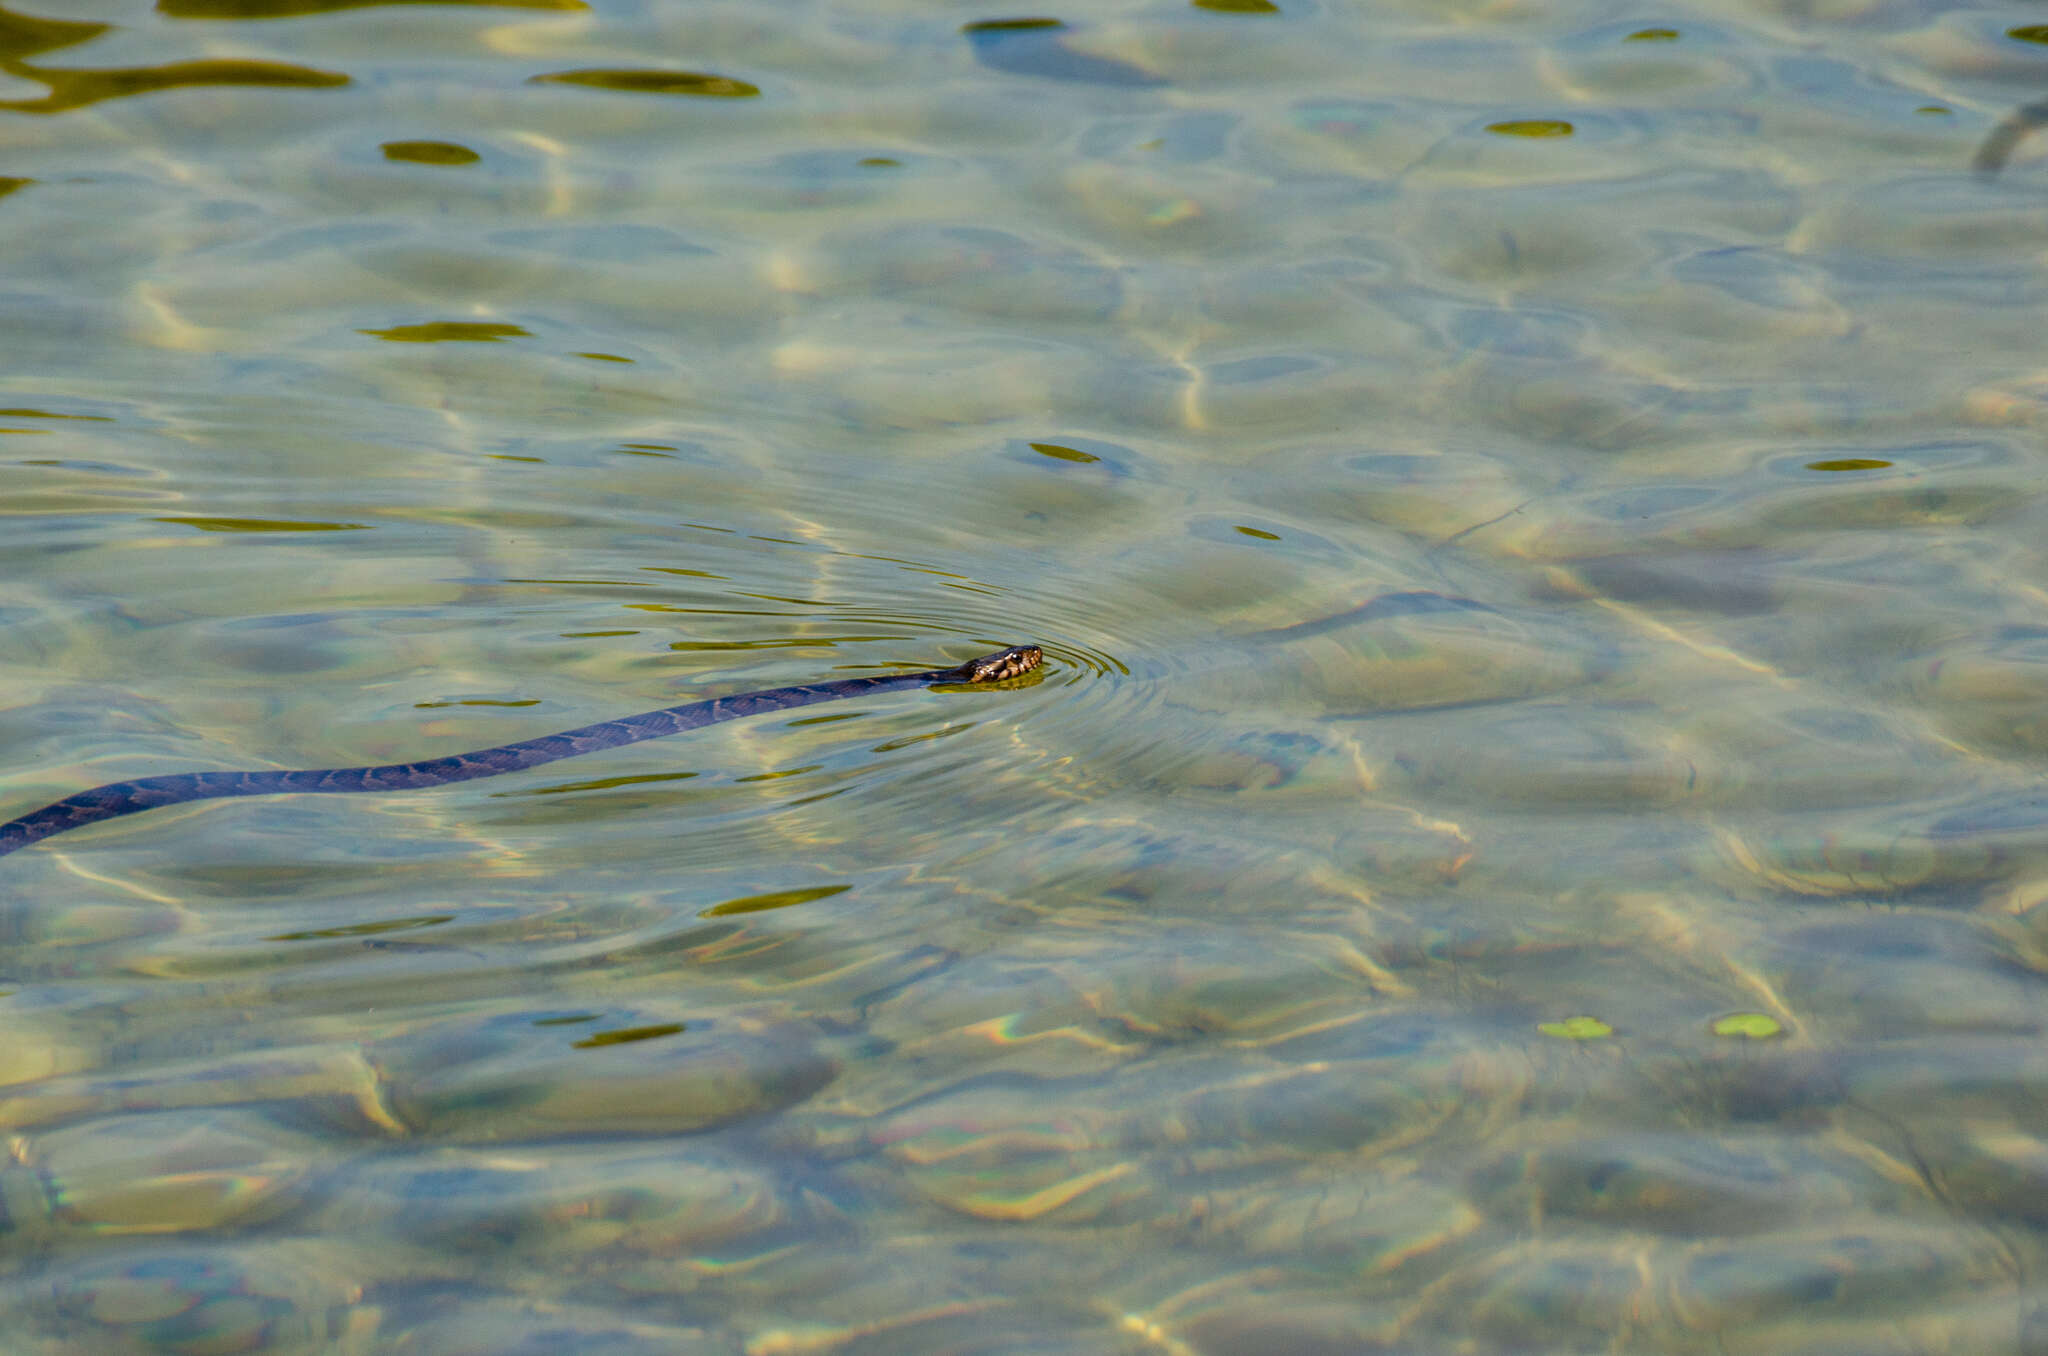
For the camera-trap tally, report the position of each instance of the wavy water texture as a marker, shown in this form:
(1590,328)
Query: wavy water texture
(1529,833)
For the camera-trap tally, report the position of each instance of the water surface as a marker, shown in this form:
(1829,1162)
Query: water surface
(1531,835)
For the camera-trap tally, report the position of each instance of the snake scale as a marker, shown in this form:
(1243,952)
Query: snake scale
(149,793)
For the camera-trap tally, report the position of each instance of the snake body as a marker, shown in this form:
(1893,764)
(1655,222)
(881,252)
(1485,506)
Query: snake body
(149,793)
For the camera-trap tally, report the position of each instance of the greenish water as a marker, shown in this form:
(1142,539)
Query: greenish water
(1532,834)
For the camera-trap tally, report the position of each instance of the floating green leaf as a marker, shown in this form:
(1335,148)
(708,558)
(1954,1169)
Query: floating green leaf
(1531,127)
(430,152)
(263,525)
(654,82)
(1848,464)
(1009,25)
(475,701)
(1755,1026)
(1577,1029)
(779,899)
(447,332)
(1059,453)
(629,1035)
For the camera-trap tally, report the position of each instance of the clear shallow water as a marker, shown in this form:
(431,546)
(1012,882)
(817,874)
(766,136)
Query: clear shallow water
(1639,947)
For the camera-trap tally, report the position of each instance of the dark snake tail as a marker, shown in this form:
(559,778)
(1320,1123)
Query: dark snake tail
(1998,147)
(148,793)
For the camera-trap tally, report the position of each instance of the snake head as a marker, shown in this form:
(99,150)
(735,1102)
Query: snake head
(994,668)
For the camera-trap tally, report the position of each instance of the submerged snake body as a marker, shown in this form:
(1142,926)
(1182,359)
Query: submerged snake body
(149,793)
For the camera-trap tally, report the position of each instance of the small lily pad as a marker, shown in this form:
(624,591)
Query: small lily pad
(1755,1026)
(1577,1029)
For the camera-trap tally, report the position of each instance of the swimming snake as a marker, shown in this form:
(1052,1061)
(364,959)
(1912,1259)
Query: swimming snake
(148,793)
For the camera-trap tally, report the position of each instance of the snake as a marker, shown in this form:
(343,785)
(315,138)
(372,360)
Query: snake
(1999,145)
(150,793)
